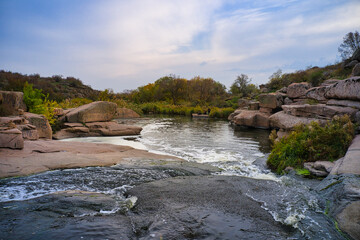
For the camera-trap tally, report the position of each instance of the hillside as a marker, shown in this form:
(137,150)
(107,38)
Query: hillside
(58,87)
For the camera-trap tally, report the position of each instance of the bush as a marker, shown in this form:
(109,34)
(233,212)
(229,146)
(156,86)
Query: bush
(309,143)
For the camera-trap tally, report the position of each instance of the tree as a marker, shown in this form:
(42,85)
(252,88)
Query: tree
(351,42)
(240,86)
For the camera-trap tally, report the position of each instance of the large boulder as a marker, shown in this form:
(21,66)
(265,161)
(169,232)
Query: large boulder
(349,219)
(11,102)
(113,129)
(11,138)
(254,119)
(41,123)
(344,103)
(271,100)
(297,90)
(100,111)
(316,93)
(281,120)
(347,89)
(318,111)
(232,115)
(126,113)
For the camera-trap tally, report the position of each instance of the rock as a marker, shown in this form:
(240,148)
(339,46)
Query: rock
(351,64)
(41,123)
(11,138)
(288,122)
(297,90)
(100,111)
(298,101)
(318,111)
(344,103)
(282,90)
(254,119)
(58,111)
(318,173)
(243,103)
(29,132)
(253,105)
(266,110)
(288,101)
(347,89)
(281,134)
(15,120)
(349,219)
(356,70)
(330,82)
(271,100)
(326,166)
(126,113)
(11,102)
(356,55)
(350,163)
(316,93)
(232,115)
(113,129)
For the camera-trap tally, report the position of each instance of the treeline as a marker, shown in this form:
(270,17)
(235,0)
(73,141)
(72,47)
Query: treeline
(57,87)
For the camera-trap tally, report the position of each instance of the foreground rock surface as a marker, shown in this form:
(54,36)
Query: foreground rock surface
(39,156)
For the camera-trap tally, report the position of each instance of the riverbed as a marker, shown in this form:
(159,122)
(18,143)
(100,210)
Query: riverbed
(235,151)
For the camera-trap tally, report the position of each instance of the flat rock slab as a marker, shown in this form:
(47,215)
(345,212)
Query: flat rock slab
(39,156)
(350,163)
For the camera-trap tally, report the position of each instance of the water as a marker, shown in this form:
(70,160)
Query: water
(237,151)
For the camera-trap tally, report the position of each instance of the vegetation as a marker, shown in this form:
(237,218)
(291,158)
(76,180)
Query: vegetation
(309,143)
(242,87)
(351,42)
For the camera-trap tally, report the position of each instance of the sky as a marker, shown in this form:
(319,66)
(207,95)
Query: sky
(123,44)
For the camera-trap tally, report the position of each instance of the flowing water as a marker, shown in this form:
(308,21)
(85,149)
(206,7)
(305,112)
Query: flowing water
(237,151)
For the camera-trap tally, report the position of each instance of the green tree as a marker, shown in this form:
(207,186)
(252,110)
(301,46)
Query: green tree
(240,86)
(351,42)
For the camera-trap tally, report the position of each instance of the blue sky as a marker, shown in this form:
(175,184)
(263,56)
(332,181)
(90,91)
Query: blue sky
(125,44)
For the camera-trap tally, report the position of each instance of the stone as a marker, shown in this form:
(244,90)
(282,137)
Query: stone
(58,111)
(41,123)
(243,103)
(351,64)
(99,111)
(344,103)
(288,101)
(318,111)
(356,70)
(253,105)
(324,166)
(356,55)
(348,89)
(232,115)
(349,219)
(288,122)
(297,90)
(281,134)
(330,82)
(254,119)
(318,173)
(126,113)
(113,129)
(282,90)
(11,102)
(266,110)
(11,138)
(29,132)
(316,93)
(14,120)
(271,100)
(350,164)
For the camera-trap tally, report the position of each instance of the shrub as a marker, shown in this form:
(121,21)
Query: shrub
(309,143)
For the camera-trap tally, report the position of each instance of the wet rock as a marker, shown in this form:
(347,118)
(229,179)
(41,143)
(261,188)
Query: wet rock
(316,93)
(318,173)
(11,138)
(356,70)
(344,103)
(271,100)
(11,102)
(41,123)
(318,111)
(100,111)
(297,90)
(126,113)
(349,219)
(288,122)
(348,89)
(254,119)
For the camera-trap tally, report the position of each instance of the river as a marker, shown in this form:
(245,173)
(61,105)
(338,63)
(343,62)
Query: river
(236,151)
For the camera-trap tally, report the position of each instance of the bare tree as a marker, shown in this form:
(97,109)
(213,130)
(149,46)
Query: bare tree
(351,42)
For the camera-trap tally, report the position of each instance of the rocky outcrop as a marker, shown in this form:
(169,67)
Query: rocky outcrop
(316,93)
(126,113)
(11,138)
(344,103)
(271,100)
(41,123)
(297,90)
(348,89)
(11,102)
(94,129)
(100,111)
(356,70)
(281,120)
(250,118)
